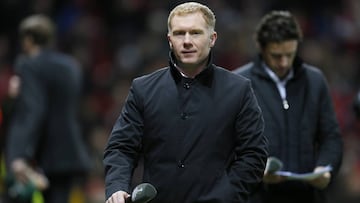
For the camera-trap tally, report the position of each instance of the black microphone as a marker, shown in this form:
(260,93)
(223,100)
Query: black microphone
(142,193)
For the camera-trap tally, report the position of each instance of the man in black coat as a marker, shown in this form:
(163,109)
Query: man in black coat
(300,122)
(44,132)
(198,126)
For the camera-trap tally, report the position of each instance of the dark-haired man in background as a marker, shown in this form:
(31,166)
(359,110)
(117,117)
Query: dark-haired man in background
(300,122)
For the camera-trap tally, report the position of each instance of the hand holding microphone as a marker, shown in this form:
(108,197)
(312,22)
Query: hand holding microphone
(273,164)
(142,193)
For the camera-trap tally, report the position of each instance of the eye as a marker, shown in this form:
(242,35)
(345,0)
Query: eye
(196,32)
(276,56)
(179,32)
(290,55)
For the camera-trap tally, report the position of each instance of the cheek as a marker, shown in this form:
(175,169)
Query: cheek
(212,42)
(176,47)
(269,61)
(273,62)
(204,44)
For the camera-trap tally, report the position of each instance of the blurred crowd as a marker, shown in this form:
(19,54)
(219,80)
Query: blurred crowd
(117,40)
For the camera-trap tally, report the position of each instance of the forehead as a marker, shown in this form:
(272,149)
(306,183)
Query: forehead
(189,20)
(288,46)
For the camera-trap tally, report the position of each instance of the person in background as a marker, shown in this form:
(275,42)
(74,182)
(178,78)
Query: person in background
(44,133)
(300,122)
(197,126)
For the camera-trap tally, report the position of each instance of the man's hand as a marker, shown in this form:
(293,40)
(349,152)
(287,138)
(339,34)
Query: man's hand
(272,178)
(321,182)
(118,197)
(24,173)
(19,167)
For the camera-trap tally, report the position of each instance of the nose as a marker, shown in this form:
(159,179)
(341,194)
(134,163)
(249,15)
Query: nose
(284,61)
(187,38)
(187,43)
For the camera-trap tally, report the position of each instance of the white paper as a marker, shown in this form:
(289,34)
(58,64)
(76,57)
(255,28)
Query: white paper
(304,176)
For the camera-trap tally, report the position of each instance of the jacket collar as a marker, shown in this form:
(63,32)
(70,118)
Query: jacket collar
(205,77)
(259,69)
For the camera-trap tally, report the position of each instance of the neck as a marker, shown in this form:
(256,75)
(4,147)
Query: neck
(34,51)
(191,71)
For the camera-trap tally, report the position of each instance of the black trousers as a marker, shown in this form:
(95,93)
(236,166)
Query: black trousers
(59,190)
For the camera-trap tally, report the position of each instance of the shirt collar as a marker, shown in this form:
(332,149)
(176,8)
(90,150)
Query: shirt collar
(275,78)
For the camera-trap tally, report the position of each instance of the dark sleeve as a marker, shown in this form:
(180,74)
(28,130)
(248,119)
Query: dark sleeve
(330,141)
(29,113)
(251,146)
(121,152)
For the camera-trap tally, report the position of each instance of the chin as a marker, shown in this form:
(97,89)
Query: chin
(188,61)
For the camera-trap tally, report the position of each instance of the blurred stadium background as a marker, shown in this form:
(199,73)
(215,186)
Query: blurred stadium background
(117,40)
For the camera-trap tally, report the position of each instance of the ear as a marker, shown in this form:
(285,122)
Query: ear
(257,44)
(169,40)
(213,38)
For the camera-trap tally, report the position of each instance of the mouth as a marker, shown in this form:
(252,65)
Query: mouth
(188,52)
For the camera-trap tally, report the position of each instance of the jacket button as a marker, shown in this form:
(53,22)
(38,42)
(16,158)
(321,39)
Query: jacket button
(181,164)
(184,116)
(186,85)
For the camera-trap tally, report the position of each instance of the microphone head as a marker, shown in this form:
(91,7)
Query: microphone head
(273,164)
(143,193)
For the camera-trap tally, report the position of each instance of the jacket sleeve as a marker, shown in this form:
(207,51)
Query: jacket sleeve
(121,152)
(251,150)
(29,113)
(329,139)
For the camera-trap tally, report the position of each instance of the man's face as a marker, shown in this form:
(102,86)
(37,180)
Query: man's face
(279,56)
(190,39)
(26,44)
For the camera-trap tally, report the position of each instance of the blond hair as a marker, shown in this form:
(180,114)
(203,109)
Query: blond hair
(39,27)
(193,7)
